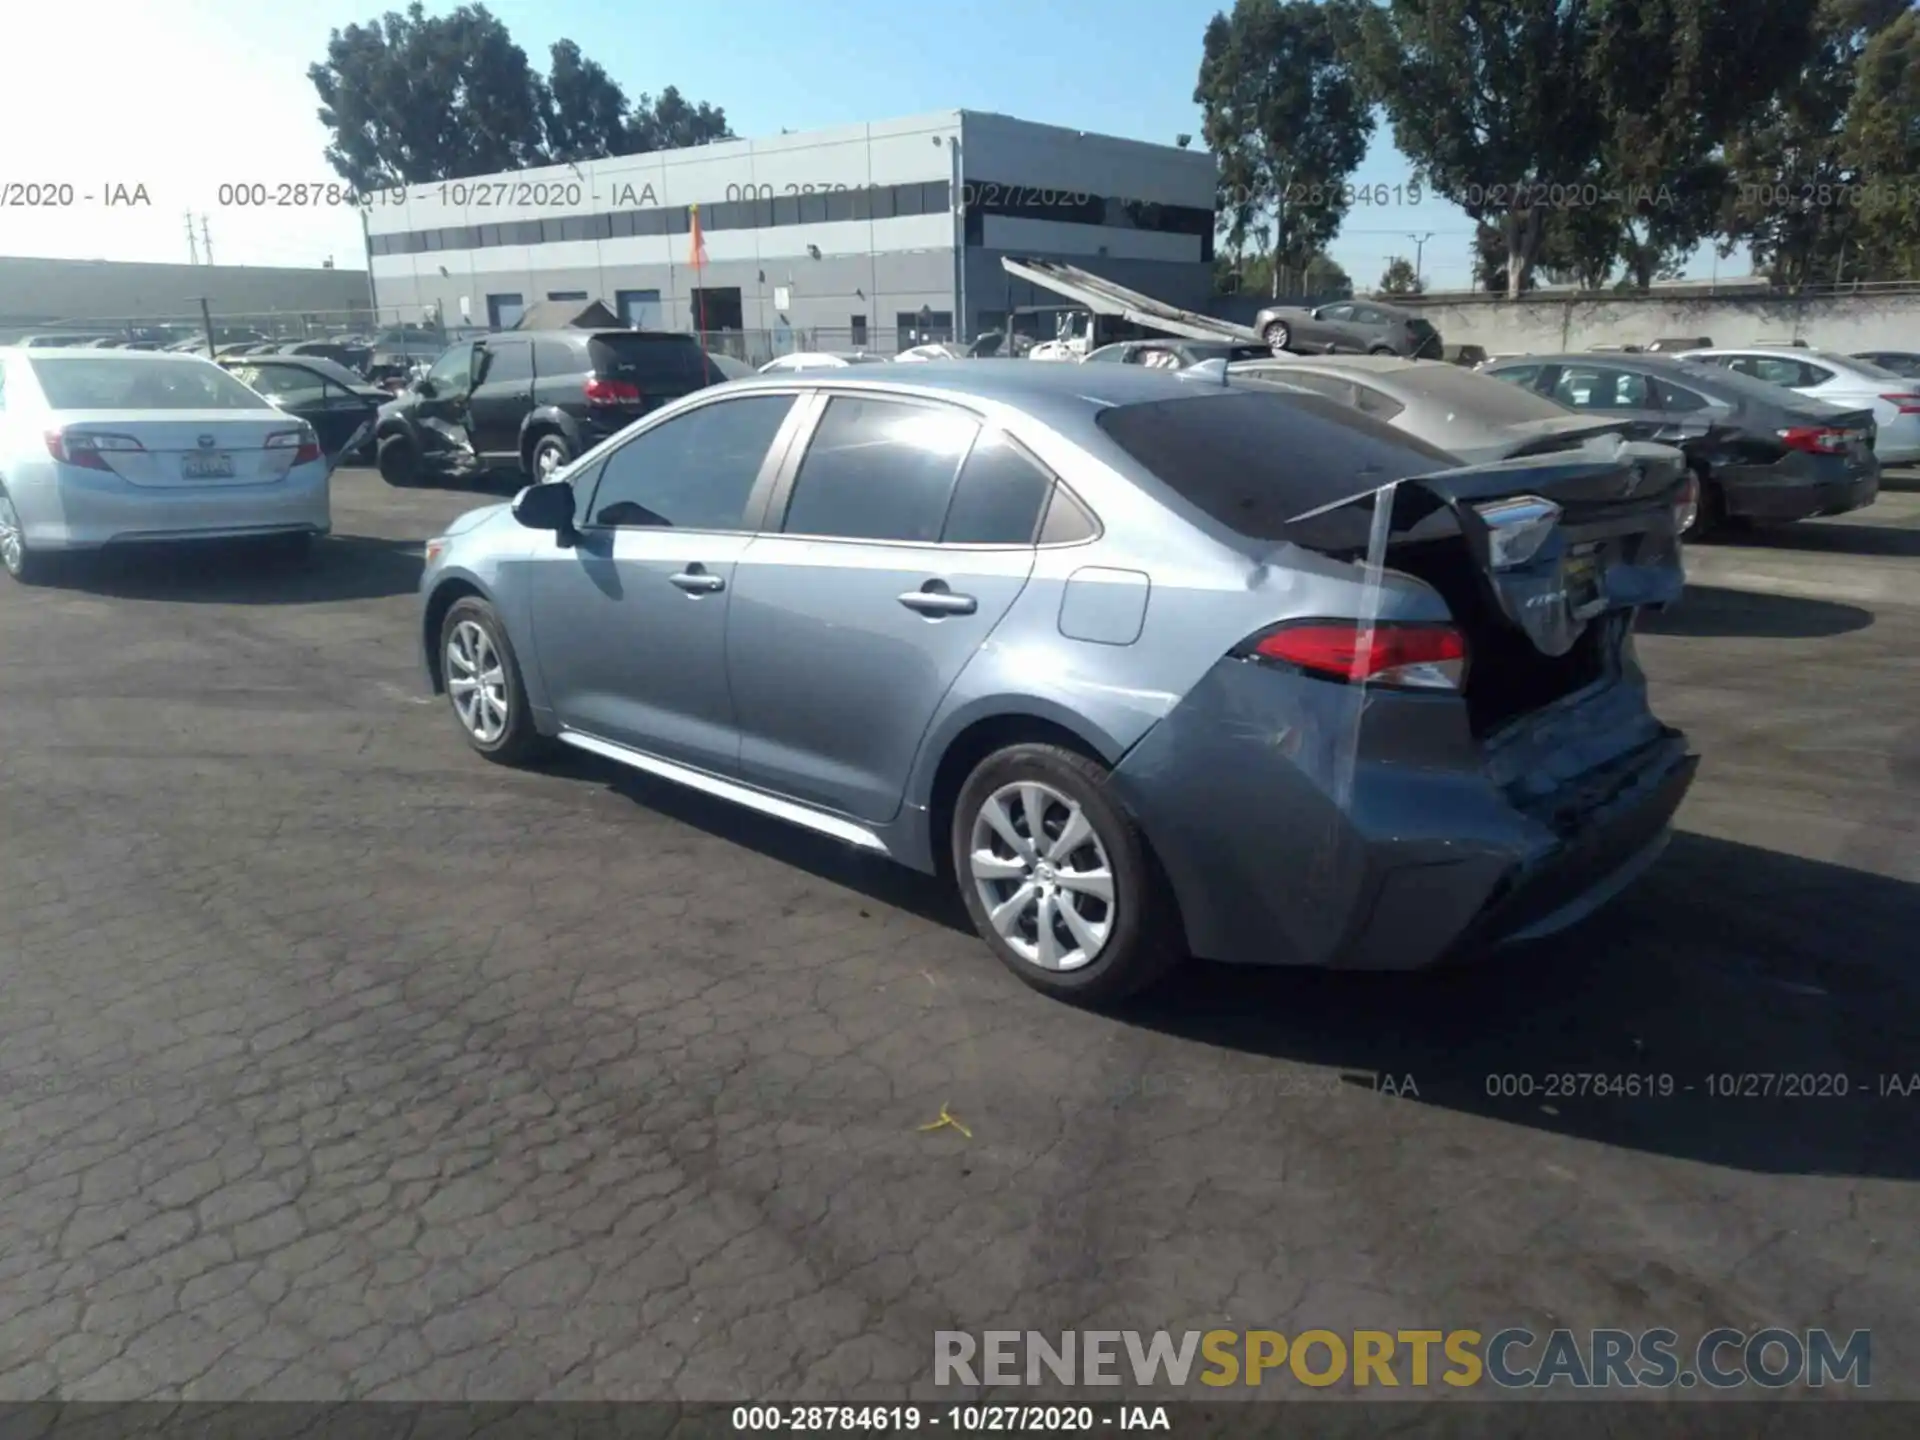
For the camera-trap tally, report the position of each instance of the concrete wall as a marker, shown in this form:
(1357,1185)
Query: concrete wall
(1845,324)
(37,293)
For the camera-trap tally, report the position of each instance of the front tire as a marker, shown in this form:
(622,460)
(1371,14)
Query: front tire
(1058,880)
(481,676)
(1279,337)
(398,459)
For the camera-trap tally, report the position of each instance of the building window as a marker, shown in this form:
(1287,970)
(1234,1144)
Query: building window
(859,325)
(504,311)
(566,294)
(639,309)
(922,327)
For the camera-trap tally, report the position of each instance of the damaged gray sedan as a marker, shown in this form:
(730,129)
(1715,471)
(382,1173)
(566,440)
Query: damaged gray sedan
(1146,664)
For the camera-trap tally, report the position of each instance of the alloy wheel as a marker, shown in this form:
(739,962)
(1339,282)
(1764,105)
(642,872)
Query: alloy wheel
(13,546)
(546,462)
(1042,876)
(477,682)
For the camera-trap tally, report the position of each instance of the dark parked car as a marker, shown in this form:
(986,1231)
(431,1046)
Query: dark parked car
(1349,327)
(529,401)
(1758,451)
(338,404)
(1672,346)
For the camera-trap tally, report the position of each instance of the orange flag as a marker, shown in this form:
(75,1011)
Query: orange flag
(698,257)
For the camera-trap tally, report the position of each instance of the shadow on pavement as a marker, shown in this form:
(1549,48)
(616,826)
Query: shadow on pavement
(1716,612)
(1778,994)
(340,567)
(1827,537)
(874,876)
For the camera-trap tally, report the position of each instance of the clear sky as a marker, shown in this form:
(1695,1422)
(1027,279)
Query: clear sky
(181,96)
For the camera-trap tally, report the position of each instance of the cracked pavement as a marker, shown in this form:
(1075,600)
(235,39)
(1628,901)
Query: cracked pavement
(337,1063)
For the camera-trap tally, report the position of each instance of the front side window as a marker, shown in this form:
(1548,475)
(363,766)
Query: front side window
(452,373)
(879,470)
(1590,387)
(693,472)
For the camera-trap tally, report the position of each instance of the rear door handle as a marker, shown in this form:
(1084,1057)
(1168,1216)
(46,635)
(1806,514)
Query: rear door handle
(696,581)
(939,602)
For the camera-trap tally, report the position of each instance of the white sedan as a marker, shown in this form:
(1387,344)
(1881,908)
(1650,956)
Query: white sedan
(1842,380)
(817,360)
(99,447)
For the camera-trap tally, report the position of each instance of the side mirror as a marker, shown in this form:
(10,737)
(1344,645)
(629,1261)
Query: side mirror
(547,506)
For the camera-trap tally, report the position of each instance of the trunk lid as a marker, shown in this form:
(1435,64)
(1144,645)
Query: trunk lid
(191,447)
(1542,559)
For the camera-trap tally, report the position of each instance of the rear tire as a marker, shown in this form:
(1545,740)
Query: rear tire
(399,461)
(24,565)
(1383,350)
(481,676)
(1279,337)
(1122,935)
(1710,515)
(549,453)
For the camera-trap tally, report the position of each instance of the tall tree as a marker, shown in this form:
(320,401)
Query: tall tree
(1881,145)
(1718,64)
(1490,103)
(1793,183)
(1288,123)
(586,112)
(413,97)
(1399,278)
(673,123)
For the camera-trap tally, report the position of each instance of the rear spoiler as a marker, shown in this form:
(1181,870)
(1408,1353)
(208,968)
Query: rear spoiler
(1103,297)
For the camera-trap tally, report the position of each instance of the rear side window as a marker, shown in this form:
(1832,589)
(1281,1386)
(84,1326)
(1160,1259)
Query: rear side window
(1675,397)
(1524,376)
(879,470)
(1254,460)
(658,364)
(508,363)
(113,383)
(1000,495)
(1376,403)
(556,357)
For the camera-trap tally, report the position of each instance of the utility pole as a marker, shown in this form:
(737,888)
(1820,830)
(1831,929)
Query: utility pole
(193,247)
(206,319)
(206,239)
(1419,246)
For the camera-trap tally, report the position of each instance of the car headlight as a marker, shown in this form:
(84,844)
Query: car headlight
(435,549)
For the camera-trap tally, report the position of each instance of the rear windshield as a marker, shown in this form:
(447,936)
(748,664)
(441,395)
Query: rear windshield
(653,362)
(1254,460)
(125,383)
(1484,399)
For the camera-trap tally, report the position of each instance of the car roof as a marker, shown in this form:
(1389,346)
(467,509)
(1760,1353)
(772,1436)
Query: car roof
(1775,352)
(1609,359)
(68,354)
(1022,384)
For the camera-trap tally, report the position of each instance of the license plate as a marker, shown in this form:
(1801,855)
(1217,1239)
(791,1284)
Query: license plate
(199,466)
(1582,576)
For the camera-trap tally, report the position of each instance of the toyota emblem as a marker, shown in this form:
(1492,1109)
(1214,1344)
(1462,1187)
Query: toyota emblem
(206,442)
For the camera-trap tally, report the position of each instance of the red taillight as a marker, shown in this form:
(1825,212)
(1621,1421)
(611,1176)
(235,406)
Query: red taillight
(1419,657)
(1816,439)
(1905,404)
(612,392)
(304,444)
(89,450)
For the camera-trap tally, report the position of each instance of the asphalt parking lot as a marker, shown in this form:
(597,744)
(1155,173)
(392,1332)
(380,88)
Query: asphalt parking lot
(335,1062)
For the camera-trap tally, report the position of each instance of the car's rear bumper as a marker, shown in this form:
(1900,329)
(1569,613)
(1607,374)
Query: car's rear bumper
(1764,493)
(75,513)
(1298,825)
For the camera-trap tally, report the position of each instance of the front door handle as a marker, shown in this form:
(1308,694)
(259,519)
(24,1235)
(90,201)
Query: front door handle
(939,601)
(696,581)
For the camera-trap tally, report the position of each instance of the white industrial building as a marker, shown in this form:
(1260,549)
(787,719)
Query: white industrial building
(851,237)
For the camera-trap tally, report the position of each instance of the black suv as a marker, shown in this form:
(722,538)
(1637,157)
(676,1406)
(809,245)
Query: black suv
(531,400)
